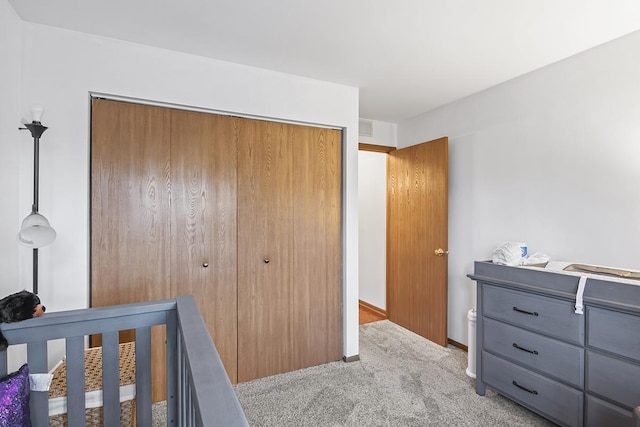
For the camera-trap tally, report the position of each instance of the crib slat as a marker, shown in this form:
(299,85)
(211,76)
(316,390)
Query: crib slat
(38,400)
(172,367)
(110,379)
(188,410)
(75,381)
(3,364)
(181,382)
(143,376)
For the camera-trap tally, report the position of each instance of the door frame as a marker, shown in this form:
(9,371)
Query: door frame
(381,226)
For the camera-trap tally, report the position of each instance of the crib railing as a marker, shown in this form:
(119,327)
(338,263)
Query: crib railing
(198,390)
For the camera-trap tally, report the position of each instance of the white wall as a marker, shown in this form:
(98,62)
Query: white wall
(11,143)
(384,133)
(372,226)
(551,158)
(61,68)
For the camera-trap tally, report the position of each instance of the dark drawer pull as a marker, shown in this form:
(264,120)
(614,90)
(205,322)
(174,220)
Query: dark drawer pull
(531,313)
(525,349)
(523,388)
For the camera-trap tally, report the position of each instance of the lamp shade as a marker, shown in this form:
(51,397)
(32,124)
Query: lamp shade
(36,113)
(36,231)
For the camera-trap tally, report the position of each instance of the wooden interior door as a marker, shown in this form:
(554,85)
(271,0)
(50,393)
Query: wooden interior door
(203,243)
(417,225)
(289,286)
(130,212)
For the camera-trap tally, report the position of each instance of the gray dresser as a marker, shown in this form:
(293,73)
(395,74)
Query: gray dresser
(574,369)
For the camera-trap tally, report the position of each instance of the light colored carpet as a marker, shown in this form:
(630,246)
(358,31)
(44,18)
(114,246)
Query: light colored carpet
(159,414)
(402,379)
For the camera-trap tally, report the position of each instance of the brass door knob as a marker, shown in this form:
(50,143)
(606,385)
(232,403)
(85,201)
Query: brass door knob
(205,264)
(441,252)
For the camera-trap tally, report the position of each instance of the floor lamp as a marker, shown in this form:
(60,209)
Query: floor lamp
(35,231)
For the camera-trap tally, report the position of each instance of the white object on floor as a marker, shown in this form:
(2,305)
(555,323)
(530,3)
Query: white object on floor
(471,350)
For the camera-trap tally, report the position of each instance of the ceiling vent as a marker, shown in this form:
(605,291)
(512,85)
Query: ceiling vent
(365,128)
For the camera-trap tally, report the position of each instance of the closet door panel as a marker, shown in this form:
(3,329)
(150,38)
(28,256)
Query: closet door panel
(130,225)
(265,249)
(130,205)
(317,285)
(289,248)
(204,245)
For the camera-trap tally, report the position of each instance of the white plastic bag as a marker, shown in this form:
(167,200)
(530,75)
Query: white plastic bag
(508,253)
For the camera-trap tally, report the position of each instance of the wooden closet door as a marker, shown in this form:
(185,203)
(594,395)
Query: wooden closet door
(289,286)
(130,225)
(203,238)
(130,211)
(265,249)
(317,232)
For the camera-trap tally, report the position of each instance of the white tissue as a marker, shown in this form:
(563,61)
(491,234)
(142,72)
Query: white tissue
(40,382)
(537,258)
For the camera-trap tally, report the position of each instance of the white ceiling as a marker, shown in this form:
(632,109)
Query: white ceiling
(406,56)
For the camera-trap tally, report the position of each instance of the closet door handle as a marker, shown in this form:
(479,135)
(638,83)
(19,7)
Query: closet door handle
(525,349)
(205,264)
(266,260)
(530,313)
(523,388)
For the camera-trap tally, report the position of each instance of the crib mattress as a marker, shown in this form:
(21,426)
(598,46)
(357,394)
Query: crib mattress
(93,380)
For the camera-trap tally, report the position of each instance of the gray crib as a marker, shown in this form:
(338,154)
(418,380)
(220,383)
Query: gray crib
(198,390)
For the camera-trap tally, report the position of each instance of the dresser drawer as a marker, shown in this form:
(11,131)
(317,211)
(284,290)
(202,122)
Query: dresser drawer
(547,315)
(560,403)
(601,413)
(549,356)
(614,331)
(616,379)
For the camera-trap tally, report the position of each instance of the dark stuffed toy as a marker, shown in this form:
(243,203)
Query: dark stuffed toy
(16,307)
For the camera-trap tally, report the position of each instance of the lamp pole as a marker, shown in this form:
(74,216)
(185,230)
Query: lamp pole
(36,129)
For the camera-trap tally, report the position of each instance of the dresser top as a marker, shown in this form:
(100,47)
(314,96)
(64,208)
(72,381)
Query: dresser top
(622,294)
